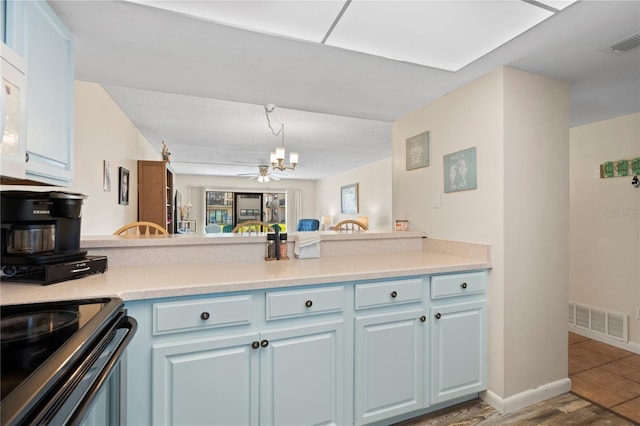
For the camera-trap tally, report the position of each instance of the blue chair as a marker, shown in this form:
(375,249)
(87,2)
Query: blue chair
(308,225)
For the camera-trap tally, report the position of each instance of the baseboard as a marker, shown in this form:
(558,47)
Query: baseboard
(628,346)
(526,398)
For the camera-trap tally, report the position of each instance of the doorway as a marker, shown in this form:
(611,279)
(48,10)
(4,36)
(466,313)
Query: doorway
(248,206)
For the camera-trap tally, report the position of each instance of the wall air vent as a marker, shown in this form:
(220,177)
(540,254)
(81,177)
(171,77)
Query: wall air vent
(623,46)
(610,324)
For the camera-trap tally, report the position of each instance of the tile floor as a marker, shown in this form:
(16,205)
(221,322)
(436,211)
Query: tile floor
(605,375)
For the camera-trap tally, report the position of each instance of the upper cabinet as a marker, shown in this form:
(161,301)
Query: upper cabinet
(36,33)
(12,117)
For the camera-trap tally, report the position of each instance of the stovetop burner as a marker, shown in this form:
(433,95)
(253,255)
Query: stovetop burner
(56,272)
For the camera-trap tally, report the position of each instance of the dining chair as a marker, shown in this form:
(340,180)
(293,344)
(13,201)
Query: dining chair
(253,226)
(137,229)
(350,225)
(308,225)
(213,228)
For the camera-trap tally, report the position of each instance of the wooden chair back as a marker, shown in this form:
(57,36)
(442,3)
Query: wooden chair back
(253,226)
(141,229)
(350,225)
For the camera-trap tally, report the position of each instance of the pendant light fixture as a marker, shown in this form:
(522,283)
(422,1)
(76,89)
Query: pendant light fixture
(278,156)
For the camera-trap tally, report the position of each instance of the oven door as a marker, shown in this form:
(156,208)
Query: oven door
(95,394)
(70,393)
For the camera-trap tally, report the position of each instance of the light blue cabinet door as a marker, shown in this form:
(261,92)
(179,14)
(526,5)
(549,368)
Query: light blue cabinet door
(389,365)
(458,345)
(35,32)
(302,376)
(206,382)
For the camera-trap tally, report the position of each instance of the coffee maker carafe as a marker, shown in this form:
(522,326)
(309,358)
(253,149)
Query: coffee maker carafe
(41,227)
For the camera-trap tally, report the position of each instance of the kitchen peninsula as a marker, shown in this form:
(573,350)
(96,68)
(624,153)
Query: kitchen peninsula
(381,327)
(182,264)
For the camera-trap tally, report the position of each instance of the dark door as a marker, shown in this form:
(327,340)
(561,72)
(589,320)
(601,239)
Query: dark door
(248,206)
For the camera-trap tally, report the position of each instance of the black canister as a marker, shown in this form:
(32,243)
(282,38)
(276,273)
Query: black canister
(271,252)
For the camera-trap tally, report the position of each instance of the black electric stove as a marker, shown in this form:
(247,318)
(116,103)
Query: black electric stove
(57,356)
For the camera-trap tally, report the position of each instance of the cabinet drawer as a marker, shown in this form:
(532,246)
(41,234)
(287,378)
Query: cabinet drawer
(181,316)
(458,284)
(388,293)
(287,304)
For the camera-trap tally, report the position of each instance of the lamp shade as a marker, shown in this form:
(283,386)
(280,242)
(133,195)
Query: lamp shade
(293,158)
(280,153)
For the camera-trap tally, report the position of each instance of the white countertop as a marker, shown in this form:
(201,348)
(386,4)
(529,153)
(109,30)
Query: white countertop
(166,280)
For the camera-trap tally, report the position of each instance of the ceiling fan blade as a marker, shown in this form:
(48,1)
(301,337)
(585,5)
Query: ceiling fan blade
(274,177)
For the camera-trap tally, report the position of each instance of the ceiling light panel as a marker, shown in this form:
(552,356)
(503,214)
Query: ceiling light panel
(441,34)
(306,20)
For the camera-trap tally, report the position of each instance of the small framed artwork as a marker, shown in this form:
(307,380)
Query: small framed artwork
(349,198)
(106,176)
(123,193)
(460,171)
(418,151)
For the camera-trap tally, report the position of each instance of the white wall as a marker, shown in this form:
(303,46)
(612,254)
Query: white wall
(104,132)
(374,185)
(193,187)
(519,124)
(605,220)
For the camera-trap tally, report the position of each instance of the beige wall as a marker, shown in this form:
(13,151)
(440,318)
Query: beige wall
(519,124)
(605,220)
(104,132)
(374,184)
(193,187)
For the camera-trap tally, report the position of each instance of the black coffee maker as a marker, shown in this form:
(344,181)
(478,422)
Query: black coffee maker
(40,228)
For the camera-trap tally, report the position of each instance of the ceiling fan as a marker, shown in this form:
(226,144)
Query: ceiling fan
(263,174)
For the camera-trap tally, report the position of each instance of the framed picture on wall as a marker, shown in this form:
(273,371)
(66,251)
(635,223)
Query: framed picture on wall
(417,151)
(460,170)
(123,193)
(349,198)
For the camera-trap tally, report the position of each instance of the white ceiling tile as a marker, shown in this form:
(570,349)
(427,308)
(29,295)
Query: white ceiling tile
(306,20)
(441,34)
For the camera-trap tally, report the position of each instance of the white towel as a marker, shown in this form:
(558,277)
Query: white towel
(304,239)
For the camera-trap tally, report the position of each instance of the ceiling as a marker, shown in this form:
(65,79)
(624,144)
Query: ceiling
(200,83)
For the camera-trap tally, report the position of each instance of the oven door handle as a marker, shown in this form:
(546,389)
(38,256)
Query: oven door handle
(85,404)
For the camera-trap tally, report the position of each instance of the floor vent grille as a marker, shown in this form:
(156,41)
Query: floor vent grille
(611,324)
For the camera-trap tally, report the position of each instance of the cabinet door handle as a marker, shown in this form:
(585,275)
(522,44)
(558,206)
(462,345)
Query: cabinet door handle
(463,285)
(423,319)
(308,303)
(394,294)
(205,316)
(264,343)
(438,316)
(255,344)
(26,157)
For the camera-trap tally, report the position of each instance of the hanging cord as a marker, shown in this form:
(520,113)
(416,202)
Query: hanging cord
(267,110)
